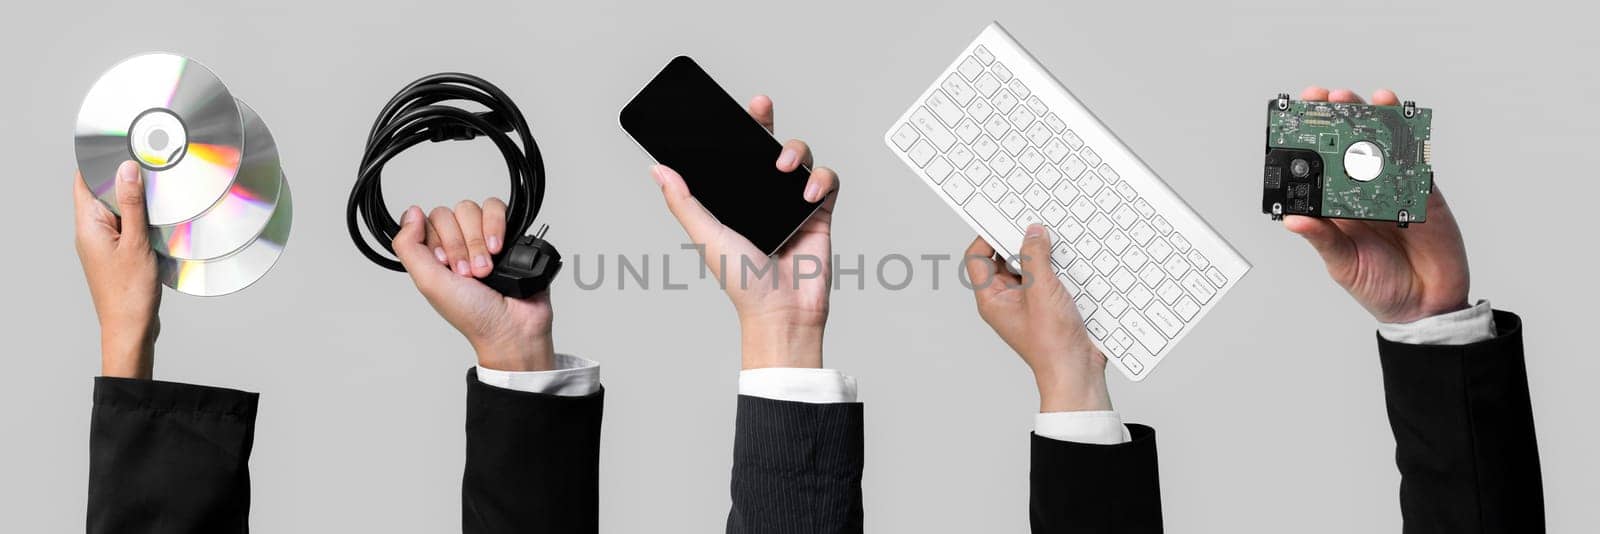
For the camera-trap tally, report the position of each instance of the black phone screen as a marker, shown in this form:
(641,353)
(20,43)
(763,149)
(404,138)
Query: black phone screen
(729,161)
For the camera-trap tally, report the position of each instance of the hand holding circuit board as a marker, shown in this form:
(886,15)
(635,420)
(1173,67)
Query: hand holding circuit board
(1399,275)
(1348,160)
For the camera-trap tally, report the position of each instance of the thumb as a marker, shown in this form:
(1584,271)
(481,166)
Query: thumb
(130,201)
(1040,277)
(697,222)
(1335,247)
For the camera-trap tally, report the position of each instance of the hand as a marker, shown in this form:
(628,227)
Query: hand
(508,334)
(780,324)
(1036,316)
(121,270)
(1399,275)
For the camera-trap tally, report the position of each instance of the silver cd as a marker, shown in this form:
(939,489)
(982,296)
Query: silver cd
(172,116)
(236,271)
(241,213)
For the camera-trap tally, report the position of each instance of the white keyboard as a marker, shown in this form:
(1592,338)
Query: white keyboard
(1006,145)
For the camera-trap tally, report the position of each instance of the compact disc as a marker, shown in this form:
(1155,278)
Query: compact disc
(172,116)
(242,212)
(235,271)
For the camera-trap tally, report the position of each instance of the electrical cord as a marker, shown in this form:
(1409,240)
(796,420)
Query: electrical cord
(421,112)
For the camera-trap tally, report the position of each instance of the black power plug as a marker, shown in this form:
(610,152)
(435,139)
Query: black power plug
(526,268)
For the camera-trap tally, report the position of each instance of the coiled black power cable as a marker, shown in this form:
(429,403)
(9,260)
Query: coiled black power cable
(421,112)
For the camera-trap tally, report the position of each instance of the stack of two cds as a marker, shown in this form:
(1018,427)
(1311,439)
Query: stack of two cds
(218,203)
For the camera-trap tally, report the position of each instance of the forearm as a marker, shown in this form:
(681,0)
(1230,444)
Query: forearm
(797,467)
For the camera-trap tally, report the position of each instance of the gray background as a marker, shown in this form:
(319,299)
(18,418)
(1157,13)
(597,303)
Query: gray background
(1270,414)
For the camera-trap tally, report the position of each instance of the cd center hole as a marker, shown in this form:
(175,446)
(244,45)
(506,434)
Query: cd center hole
(158,139)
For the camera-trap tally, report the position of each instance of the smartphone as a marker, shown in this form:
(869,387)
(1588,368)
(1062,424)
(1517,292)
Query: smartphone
(684,120)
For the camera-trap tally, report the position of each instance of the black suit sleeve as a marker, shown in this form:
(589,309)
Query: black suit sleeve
(169,458)
(533,461)
(796,468)
(1464,437)
(1079,487)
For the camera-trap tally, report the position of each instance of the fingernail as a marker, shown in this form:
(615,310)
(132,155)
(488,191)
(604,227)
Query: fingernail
(494,243)
(128,173)
(1035,230)
(411,215)
(461,267)
(439,253)
(480,260)
(811,192)
(655,172)
(786,159)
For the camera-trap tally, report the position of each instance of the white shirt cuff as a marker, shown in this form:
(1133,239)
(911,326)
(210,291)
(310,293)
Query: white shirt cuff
(815,386)
(572,377)
(1455,328)
(1098,427)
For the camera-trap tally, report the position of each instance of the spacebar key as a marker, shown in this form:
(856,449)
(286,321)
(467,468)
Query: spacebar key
(996,224)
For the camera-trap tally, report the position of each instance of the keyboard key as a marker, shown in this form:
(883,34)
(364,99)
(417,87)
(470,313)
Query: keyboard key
(1002,164)
(970,68)
(1132,363)
(1055,150)
(1054,123)
(1178,242)
(1108,173)
(1123,279)
(1164,320)
(1105,263)
(1072,139)
(1107,201)
(1114,305)
(994,188)
(1082,208)
(904,136)
(1144,208)
(1003,101)
(979,173)
(1198,286)
(967,130)
(1012,204)
(1134,258)
(921,153)
(1039,134)
(1018,180)
(1090,157)
(986,85)
(1216,277)
(1029,217)
(1021,89)
(1152,275)
(1141,233)
(1143,332)
(1064,191)
(1070,229)
(1030,159)
(980,110)
(1124,189)
(937,133)
(996,126)
(1116,242)
(1161,225)
(1169,292)
(1175,265)
(1139,297)
(1186,308)
(1053,213)
(1001,72)
(1013,142)
(1088,247)
(1199,260)
(958,189)
(960,155)
(997,224)
(1035,196)
(985,147)
(1124,216)
(1074,167)
(1021,117)
(1081,272)
(947,111)
(1099,225)
(1047,175)
(1096,329)
(983,55)
(938,169)
(1088,184)
(959,91)
(1063,255)
(1097,288)
(1035,105)
(1118,342)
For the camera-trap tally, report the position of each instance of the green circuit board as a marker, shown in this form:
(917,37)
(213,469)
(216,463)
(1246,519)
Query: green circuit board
(1348,161)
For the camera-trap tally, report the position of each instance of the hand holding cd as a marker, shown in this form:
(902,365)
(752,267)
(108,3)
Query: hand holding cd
(120,267)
